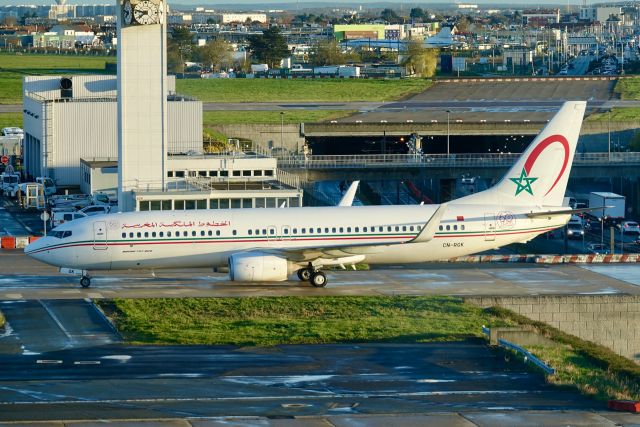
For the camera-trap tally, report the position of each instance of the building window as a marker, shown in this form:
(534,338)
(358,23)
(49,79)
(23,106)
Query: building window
(166,205)
(236,173)
(257,173)
(154,205)
(246,173)
(179,174)
(144,205)
(201,204)
(169,174)
(179,205)
(202,173)
(213,173)
(190,204)
(213,204)
(268,173)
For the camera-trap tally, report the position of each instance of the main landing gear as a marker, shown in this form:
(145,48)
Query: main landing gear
(316,277)
(85,281)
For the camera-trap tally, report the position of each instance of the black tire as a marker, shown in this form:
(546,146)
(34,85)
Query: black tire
(318,279)
(304,274)
(85,282)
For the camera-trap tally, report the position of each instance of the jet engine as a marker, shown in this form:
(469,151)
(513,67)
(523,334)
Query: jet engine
(257,267)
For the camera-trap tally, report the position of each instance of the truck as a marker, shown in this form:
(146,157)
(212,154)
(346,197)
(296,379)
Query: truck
(615,205)
(48,184)
(8,181)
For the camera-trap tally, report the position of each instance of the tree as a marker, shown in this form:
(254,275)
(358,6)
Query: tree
(327,52)
(420,60)
(390,16)
(270,47)
(217,54)
(417,14)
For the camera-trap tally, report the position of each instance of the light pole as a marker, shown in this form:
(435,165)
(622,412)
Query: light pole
(281,130)
(609,138)
(448,133)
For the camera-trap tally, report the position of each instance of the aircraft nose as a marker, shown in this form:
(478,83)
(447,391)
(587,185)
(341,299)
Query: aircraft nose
(34,249)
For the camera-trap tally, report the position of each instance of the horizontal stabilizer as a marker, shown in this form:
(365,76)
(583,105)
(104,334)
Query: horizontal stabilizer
(430,228)
(565,212)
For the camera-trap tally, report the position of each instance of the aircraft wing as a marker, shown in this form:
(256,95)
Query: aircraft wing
(564,212)
(347,199)
(341,252)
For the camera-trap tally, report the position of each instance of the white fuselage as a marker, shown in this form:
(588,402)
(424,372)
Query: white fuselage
(206,238)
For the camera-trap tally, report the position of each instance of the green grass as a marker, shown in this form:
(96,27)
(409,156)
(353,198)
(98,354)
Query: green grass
(617,115)
(628,88)
(216,118)
(10,120)
(284,90)
(267,321)
(593,369)
(13,67)
(2,320)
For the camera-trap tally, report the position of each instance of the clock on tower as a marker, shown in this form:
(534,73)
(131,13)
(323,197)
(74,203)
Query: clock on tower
(141,12)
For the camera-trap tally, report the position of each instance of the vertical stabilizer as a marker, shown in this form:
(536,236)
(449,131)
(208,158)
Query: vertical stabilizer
(539,177)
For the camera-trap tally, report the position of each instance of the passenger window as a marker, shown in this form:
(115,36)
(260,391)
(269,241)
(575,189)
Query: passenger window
(146,234)
(153,234)
(234,232)
(217,232)
(168,234)
(404,228)
(411,228)
(311,231)
(295,231)
(162,234)
(264,231)
(250,232)
(357,229)
(333,230)
(124,235)
(397,228)
(462,227)
(319,230)
(364,229)
(138,235)
(348,229)
(193,233)
(131,235)
(341,230)
(380,229)
(440,228)
(303,231)
(455,227)
(388,228)
(285,231)
(271,231)
(326,229)
(202,233)
(448,227)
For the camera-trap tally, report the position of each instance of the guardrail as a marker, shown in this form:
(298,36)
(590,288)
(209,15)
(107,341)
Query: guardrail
(528,356)
(439,160)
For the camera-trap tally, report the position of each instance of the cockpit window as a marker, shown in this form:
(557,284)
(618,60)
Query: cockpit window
(61,234)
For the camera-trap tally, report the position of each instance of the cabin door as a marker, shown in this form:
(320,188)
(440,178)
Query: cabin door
(489,227)
(100,235)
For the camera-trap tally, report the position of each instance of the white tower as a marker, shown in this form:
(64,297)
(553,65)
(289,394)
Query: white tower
(142,98)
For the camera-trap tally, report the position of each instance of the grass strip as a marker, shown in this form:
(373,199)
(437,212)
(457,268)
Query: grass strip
(10,120)
(631,114)
(217,118)
(594,369)
(628,88)
(268,321)
(285,90)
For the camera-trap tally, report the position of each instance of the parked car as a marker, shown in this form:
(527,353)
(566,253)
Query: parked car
(598,249)
(629,227)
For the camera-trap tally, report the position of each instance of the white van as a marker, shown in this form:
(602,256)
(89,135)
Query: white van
(61,216)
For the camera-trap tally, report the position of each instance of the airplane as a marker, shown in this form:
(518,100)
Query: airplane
(442,39)
(266,245)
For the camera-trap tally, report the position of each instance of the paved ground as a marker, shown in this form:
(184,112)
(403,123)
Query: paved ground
(157,382)
(30,280)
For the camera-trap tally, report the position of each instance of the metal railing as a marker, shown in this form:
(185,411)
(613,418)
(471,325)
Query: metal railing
(439,160)
(528,356)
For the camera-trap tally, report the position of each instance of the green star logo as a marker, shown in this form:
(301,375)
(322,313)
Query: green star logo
(523,183)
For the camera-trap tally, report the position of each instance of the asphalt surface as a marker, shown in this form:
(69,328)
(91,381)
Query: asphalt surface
(26,279)
(306,380)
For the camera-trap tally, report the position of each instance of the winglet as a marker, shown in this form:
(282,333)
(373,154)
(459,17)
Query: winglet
(430,228)
(347,199)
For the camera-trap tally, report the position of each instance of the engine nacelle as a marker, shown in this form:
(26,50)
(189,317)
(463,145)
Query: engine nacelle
(257,267)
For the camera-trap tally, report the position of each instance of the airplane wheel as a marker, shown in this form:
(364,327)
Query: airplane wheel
(85,282)
(318,279)
(304,274)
